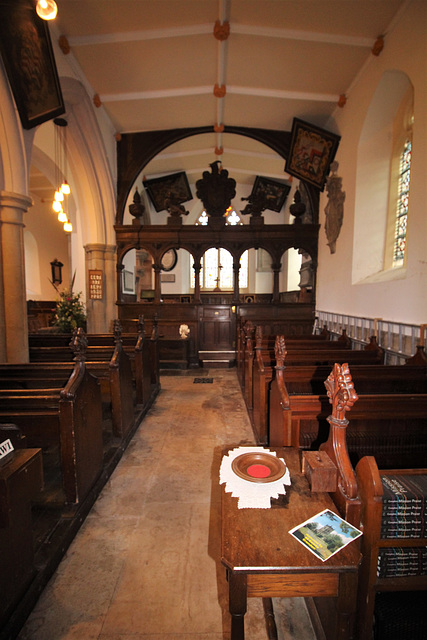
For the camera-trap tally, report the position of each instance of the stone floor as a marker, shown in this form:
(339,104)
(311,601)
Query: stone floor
(146,562)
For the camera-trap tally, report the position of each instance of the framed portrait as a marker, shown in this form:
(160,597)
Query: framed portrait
(26,49)
(311,152)
(174,186)
(273,193)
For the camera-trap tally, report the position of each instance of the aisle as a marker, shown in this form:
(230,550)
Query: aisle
(145,563)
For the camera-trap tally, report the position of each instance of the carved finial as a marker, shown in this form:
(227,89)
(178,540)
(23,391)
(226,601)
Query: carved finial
(248,329)
(280,351)
(78,345)
(117,330)
(141,326)
(297,209)
(137,208)
(155,329)
(340,390)
(258,336)
(216,190)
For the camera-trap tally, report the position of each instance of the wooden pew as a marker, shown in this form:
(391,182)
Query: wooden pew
(115,376)
(143,354)
(389,425)
(21,478)
(373,544)
(68,420)
(263,371)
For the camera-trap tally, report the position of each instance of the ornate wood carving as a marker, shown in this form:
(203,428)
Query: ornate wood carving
(216,190)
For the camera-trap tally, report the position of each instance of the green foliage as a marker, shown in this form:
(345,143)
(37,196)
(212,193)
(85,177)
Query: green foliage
(70,312)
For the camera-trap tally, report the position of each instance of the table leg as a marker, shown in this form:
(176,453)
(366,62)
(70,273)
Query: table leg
(346,605)
(237,602)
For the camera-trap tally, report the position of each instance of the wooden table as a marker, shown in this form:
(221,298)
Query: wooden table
(264,560)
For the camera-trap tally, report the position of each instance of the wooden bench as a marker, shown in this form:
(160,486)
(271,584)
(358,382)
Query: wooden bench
(115,376)
(389,425)
(374,544)
(264,367)
(21,478)
(66,420)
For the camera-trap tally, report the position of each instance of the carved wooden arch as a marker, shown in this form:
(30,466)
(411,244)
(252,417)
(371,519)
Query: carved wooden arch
(135,150)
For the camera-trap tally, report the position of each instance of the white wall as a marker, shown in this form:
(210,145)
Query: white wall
(401,300)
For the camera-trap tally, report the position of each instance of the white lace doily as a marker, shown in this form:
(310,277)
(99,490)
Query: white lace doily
(251,495)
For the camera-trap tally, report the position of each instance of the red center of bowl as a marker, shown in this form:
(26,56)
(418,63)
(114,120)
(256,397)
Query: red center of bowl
(258,471)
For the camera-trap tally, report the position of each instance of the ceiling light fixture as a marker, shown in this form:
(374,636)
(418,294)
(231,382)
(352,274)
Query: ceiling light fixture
(46,9)
(59,202)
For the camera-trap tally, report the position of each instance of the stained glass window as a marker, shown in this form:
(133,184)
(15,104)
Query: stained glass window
(402,205)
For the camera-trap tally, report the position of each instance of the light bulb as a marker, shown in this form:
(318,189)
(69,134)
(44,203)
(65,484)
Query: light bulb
(46,9)
(56,206)
(68,227)
(62,217)
(65,188)
(59,196)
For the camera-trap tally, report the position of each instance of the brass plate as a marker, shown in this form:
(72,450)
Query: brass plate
(274,465)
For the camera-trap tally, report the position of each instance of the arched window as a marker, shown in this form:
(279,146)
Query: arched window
(217,271)
(402,205)
(382,182)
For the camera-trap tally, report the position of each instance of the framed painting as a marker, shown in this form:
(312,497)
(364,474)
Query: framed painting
(173,187)
(272,192)
(311,152)
(26,49)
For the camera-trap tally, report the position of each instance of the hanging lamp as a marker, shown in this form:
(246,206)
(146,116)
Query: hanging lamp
(46,9)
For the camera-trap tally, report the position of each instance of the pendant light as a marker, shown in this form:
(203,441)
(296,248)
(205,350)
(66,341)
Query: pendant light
(58,204)
(46,9)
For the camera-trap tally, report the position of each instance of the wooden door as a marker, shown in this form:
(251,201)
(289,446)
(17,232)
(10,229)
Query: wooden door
(217,328)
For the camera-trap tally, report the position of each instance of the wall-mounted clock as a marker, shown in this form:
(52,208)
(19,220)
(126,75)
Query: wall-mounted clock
(169,260)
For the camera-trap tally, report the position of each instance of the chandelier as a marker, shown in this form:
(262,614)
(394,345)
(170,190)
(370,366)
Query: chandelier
(59,204)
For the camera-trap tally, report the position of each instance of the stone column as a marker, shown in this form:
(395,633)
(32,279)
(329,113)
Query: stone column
(14,330)
(101,312)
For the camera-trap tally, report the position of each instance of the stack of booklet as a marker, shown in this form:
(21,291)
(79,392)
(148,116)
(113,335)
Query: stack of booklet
(394,562)
(404,506)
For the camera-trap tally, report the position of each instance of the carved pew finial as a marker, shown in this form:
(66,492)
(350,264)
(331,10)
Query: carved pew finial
(342,396)
(340,389)
(117,331)
(78,345)
(258,336)
(280,352)
(141,326)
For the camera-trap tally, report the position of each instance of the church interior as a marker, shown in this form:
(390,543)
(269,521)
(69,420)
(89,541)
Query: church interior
(212,262)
